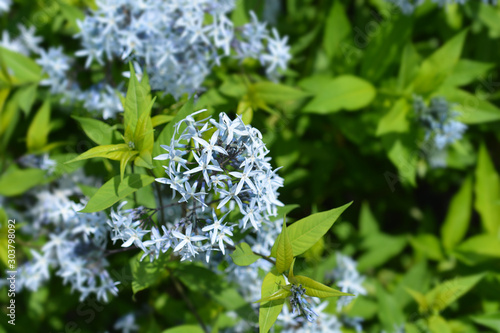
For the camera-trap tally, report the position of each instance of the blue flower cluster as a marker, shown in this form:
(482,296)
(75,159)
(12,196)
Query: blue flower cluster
(178,41)
(25,43)
(75,248)
(441,127)
(348,279)
(215,176)
(409,6)
(5,6)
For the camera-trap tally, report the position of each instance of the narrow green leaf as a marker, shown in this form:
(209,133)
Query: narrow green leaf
(269,311)
(23,69)
(395,120)
(487,190)
(243,255)
(409,66)
(343,92)
(389,313)
(457,219)
(467,71)
(316,289)
(98,131)
(437,324)
(429,245)
(484,245)
(161,119)
(449,291)
(278,295)
(137,101)
(367,223)
(184,329)
(114,190)
(491,320)
(439,65)
(306,232)
(113,152)
(27,96)
(19,181)
(275,93)
(472,109)
(337,28)
(38,132)
(9,118)
(419,298)
(125,157)
(284,252)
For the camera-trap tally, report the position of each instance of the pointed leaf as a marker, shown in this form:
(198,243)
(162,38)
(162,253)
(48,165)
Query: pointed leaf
(38,132)
(395,120)
(19,181)
(269,311)
(21,68)
(316,289)
(457,220)
(113,152)
(487,190)
(284,252)
(115,190)
(98,131)
(439,65)
(343,92)
(449,291)
(306,232)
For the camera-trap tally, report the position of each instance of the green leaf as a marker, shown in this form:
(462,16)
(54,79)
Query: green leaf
(21,68)
(137,101)
(343,92)
(382,49)
(316,289)
(144,137)
(8,118)
(72,14)
(484,245)
(409,66)
(269,311)
(275,93)
(113,152)
(27,96)
(368,225)
(184,329)
(98,131)
(278,295)
(429,245)
(439,65)
(115,190)
(146,273)
(417,279)
(284,252)
(472,109)
(404,156)
(306,232)
(389,313)
(449,291)
(161,119)
(467,71)
(395,120)
(457,219)
(38,132)
(243,255)
(419,298)
(379,249)
(337,28)
(491,320)
(437,324)
(487,190)
(17,182)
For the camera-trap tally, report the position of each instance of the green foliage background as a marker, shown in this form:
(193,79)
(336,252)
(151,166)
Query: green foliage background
(341,124)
